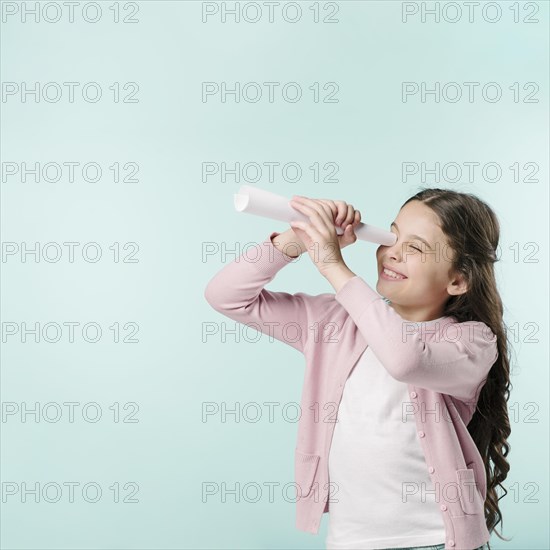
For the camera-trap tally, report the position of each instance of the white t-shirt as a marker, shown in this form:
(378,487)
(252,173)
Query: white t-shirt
(377,467)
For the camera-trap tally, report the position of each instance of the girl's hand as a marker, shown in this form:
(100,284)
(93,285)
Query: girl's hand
(319,235)
(344,214)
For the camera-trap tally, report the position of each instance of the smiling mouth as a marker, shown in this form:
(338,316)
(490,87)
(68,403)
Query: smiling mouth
(389,274)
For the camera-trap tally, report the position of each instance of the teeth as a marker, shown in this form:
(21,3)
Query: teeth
(393,274)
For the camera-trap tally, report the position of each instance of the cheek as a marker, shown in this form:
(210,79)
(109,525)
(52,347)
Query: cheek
(426,273)
(434,275)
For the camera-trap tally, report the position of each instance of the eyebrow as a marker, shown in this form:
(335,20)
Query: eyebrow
(415,237)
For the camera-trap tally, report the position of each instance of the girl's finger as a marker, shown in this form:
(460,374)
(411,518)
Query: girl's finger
(329,216)
(324,211)
(349,215)
(316,213)
(343,211)
(332,206)
(308,229)
(326,217)
(350,233)
(338,216)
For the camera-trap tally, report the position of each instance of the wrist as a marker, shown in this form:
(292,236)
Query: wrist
(338,275)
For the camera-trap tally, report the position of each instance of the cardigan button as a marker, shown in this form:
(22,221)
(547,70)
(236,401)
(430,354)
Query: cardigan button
(431,469)
(443,507)
(413,394)
(421,434)
(451,542)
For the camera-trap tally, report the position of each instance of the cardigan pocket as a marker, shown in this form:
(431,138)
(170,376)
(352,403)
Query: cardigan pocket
(469,495)
(305,468)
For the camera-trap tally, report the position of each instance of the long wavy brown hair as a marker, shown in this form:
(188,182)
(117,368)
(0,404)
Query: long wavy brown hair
(473,232)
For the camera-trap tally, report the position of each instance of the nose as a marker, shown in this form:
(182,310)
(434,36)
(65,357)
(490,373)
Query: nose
(394,251)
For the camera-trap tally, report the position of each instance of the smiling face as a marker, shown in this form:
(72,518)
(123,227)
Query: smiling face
(426,266)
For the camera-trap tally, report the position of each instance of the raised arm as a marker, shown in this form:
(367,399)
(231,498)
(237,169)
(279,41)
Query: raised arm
(237,291)
(453,362)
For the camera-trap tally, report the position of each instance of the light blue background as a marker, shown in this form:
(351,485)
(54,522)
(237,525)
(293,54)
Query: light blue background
(171,213)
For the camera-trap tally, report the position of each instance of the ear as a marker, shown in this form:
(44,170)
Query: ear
(457,284)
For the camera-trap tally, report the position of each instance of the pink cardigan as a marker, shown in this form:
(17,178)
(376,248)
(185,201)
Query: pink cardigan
(441,361)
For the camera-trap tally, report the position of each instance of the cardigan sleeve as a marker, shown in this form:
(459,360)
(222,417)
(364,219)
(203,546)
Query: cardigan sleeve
(237,291)
(454,361)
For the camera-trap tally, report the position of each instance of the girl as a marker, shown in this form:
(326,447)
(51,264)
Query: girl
(419,379)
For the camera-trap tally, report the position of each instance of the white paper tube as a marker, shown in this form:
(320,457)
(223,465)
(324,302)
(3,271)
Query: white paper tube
(260,202)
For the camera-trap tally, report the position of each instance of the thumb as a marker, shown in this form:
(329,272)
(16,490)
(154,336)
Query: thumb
(346,237)
(350,233)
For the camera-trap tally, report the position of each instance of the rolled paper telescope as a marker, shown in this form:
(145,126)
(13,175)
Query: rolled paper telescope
(260,202)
